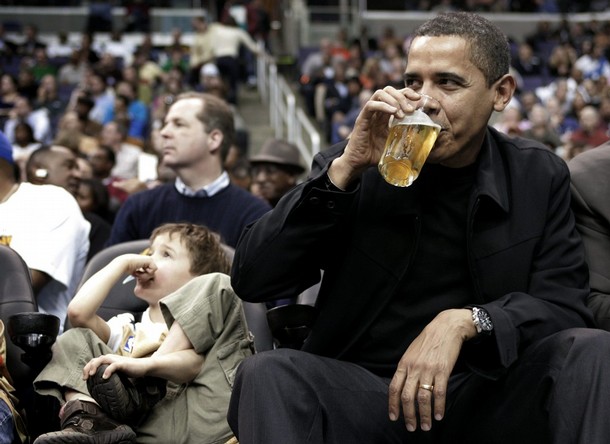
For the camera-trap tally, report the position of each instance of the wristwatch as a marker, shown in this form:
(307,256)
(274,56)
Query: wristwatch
(482,321)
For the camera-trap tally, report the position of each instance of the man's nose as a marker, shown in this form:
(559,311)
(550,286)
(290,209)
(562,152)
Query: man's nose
(431,104)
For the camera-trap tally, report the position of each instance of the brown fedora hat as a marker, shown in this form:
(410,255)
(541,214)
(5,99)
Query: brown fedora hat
(280,152)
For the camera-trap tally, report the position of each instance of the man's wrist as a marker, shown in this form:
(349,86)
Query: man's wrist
(330,185)
(340,175)
(461,320)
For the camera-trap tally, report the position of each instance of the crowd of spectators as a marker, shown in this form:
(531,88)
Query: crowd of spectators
(99,94)
(140,9)
(551,6)
(562,71)
(106,99)
(64,93)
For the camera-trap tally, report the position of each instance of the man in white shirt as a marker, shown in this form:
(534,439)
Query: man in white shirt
(44,224)
(201,50)
(60,47)
(228,39)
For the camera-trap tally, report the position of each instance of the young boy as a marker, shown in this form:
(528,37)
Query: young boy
(184,281)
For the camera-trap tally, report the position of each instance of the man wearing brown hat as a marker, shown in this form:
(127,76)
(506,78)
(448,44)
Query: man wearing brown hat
(275,170)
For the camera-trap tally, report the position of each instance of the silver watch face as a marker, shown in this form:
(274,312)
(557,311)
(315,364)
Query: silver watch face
(482,320)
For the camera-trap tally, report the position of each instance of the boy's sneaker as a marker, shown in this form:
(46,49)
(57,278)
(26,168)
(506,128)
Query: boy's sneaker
(123,399)
(84,422)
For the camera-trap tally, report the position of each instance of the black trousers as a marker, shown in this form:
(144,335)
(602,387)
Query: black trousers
(230,70)
(557,392)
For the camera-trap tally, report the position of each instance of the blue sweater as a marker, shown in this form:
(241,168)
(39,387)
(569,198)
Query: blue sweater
(226,213)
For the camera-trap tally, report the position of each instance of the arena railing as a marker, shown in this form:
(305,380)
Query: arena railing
(287,118)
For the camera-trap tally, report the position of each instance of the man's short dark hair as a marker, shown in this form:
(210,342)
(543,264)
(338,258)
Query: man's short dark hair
(489,48)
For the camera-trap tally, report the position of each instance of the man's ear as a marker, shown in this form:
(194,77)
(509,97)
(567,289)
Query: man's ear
(504,88)
(215,139)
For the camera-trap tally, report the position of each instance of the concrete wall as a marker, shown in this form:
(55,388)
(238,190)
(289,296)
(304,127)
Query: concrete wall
(297,30)
(514,25)
(54,19)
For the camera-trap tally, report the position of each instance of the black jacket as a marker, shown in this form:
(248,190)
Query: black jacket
(525,256)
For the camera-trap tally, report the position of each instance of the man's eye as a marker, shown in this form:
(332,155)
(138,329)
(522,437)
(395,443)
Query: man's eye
(412,83)
(451,82)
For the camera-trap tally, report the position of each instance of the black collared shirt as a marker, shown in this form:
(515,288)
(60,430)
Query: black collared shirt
(438,277)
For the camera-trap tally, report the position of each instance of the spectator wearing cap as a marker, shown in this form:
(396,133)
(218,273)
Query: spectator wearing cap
(44,224)
(211,82)
(209,69)
(275,170)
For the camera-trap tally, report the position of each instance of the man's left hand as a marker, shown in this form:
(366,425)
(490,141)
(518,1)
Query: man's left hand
(420,381)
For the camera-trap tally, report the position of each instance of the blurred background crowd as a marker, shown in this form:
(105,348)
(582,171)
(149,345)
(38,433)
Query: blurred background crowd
(105,98)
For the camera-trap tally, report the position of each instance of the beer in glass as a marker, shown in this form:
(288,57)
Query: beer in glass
(408,145)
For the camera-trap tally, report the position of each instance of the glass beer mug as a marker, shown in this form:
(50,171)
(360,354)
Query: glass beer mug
(409,143)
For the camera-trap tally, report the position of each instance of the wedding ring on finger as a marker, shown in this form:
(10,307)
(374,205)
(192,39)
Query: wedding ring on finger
(428,387)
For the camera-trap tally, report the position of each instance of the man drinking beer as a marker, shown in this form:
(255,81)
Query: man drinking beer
(451,310)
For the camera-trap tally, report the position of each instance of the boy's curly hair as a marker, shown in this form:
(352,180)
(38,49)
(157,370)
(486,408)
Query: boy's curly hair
(205,250)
